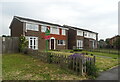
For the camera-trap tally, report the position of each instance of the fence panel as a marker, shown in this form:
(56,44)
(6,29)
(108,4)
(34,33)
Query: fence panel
(10,45)
(76,65)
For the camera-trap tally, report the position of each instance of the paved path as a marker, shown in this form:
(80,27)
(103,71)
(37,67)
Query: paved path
(111,74)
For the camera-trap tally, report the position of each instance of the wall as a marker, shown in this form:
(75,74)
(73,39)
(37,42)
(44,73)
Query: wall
(16,28)
(71,38)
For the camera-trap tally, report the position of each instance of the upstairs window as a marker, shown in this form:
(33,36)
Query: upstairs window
(61,42)
(63,31)
(85,33)
(33,27)
(54,30)
(43,28)
(79,33)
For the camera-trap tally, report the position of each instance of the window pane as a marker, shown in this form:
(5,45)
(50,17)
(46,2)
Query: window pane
(43,28)
(54,30)
(32,27)
(63,31)
(30,42)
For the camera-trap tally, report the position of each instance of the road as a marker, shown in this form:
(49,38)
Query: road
(111,74)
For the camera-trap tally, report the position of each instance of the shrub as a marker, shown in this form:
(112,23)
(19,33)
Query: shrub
(49,58)
(23,44)
(91,69)
(77,50)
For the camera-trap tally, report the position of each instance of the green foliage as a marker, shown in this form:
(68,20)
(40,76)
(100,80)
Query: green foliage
(77,50)
(117,43)
(92,70)
(23,43)
(49,58)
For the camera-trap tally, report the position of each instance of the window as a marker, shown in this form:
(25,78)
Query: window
(63,31)
(54,30)
(79,44)
(61,42)
(32,27)
(79,33)
(43,28)
(85,33)
(33,42)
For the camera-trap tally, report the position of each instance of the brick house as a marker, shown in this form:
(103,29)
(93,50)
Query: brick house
(81,38)
(113,40)
(34,31)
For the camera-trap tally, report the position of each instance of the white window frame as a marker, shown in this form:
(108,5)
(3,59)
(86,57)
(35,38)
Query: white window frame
(31,26)
(63,32)
(34,44)
(43,28)
(79,33)
(53,31)
(79,44)
(59,43)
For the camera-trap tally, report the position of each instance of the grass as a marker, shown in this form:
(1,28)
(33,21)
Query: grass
(102,54)
(22,67)
(107,50)
(104,64)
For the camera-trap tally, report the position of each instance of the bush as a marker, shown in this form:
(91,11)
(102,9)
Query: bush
(23,44)
(49,58)
(77,50)
(91,69)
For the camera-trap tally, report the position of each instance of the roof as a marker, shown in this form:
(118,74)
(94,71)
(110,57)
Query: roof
(37,21)
(115,36)
(71,27)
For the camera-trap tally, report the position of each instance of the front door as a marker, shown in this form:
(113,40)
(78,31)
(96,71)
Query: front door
(52,44)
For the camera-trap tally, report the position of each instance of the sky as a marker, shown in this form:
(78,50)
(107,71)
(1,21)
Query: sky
(100,16)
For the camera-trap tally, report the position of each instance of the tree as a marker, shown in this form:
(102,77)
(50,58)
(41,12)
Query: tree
(108,43)
(102,43)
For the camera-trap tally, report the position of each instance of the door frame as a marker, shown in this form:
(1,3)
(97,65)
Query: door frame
(54,43)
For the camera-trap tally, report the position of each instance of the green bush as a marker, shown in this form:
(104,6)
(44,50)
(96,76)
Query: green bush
(49,58)
(23,44)
(91,69)
(77,50)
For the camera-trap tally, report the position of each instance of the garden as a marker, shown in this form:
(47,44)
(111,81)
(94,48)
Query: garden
(55,65)
(21,66)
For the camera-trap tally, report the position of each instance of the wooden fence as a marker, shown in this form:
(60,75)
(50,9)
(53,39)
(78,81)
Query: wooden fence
(10,45)
(109,51)
(76,65)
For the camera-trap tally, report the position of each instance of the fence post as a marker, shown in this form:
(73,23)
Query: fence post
(61,60)
(81,66)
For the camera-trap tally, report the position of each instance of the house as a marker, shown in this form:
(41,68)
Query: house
(34,31)
(113,40)
(81,38)
(61,36)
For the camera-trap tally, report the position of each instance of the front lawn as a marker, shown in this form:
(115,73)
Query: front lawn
(22,67)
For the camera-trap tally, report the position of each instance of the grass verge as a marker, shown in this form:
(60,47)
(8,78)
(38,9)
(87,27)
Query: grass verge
(22,67)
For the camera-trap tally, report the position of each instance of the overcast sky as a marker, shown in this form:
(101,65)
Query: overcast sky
(100,16)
